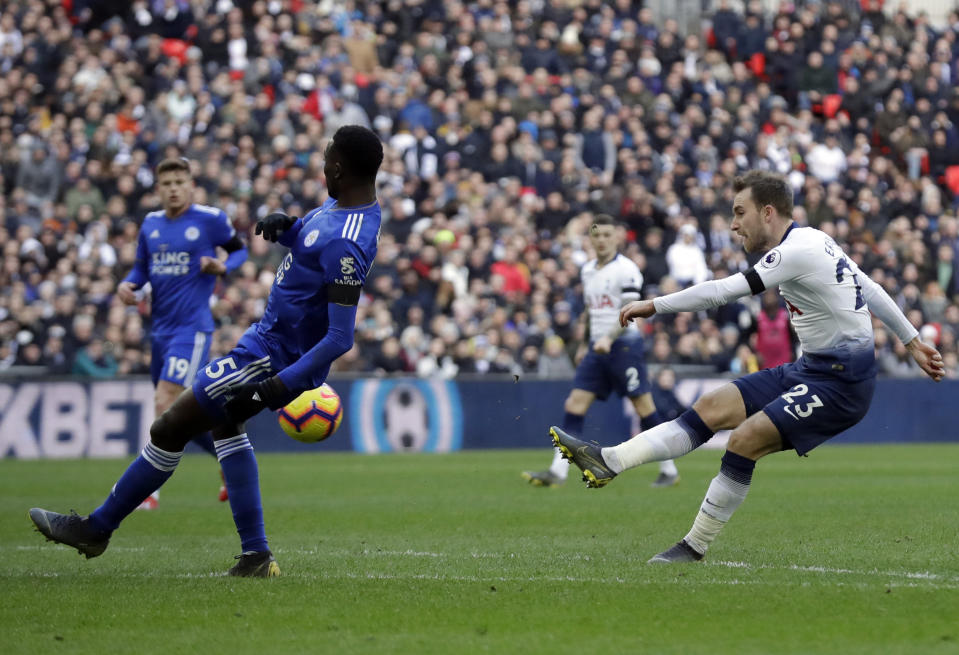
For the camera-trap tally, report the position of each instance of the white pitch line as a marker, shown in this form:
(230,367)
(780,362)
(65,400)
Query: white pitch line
(912,575)
(937,580)
(475,579)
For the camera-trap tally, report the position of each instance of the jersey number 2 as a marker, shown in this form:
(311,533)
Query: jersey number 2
(802,410)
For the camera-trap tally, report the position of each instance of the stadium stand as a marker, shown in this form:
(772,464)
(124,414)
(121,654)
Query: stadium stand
(505,125)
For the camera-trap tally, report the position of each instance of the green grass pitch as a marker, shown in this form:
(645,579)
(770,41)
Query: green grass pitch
(852,550)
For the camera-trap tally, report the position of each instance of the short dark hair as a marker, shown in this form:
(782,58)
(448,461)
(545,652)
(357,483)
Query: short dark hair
(603,219)
(359,149)
(768,189)
(173,164)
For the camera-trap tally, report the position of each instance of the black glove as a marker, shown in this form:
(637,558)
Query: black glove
(249,399)
(273,225)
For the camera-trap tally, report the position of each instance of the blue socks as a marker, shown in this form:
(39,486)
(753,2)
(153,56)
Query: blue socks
(697,431)
(738,469)
(154,466)
(145,475)
(243,484)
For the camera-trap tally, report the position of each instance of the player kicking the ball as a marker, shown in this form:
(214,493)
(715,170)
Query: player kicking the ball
(616,359)
(308,323)
(796,406)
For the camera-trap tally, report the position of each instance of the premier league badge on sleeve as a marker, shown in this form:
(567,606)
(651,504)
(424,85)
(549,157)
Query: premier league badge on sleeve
(771,259)
(311,238)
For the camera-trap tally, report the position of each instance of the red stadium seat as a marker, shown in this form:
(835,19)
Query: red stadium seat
(830,104)
(952,179)
(175,49)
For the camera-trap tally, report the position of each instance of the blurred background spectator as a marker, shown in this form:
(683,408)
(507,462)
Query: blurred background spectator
(506,125)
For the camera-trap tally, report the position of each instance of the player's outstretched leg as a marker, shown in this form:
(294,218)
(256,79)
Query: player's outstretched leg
(588,457)
(664,442)
(668,473)
(71,530)
(558,470)
(147,473)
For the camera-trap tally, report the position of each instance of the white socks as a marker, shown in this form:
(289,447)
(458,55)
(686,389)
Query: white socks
(723,497)
(665,441)
(668,467)
(560,465)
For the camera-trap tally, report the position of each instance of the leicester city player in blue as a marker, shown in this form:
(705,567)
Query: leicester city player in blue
(176,255)
(308,323)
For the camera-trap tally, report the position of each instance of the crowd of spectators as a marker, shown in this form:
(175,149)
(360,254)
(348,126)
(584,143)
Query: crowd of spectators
(505,125)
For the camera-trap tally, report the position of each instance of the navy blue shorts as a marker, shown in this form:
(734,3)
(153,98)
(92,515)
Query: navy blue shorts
(177,357)
(811,400)
(622,370)
(248,362)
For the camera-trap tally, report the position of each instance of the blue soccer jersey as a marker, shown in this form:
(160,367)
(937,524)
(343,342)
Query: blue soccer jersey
(168,257)
(331,252)
(329,247)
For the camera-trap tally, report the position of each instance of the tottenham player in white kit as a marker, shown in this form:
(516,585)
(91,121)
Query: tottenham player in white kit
(616,359)
(796,406)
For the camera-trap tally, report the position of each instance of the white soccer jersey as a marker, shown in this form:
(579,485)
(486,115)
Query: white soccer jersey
(828,297)
(606,290)
(822,288)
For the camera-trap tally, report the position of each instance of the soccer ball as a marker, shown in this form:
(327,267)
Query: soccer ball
(313,416)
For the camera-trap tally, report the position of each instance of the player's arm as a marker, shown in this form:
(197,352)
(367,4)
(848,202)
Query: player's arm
(880,304)
(343,294)
(236,253)
(299,376)
(279,228)
(704,295)
(776,266)
(138,275)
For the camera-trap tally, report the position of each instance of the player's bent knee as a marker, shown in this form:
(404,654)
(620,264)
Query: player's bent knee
(721,409)
(167,433)
(756,438)
(226,430)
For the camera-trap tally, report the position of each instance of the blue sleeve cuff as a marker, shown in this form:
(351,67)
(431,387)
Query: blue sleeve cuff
(289,236)
(137,277)
(235,259)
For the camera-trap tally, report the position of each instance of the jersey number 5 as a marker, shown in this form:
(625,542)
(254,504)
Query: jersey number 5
(220,367)
(801,411)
